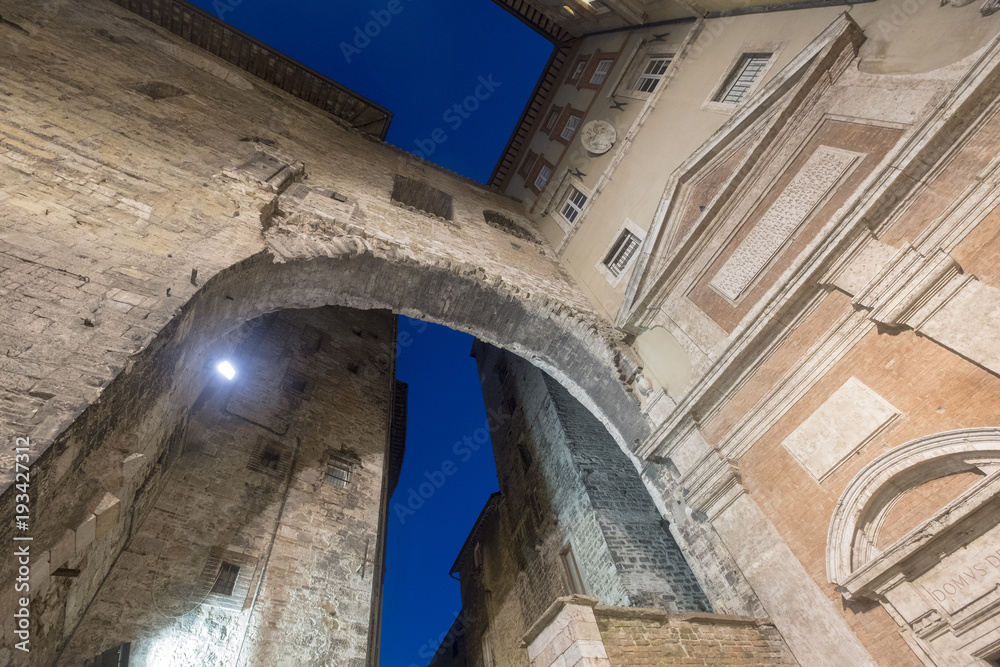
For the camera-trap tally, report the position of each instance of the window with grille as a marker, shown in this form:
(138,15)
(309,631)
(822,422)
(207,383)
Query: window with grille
(339,472)
(226,581)
(651,74)
(113,657)
(569,129)
(544,173)
(603,67)
(573,205)
(742,78)
(622,253)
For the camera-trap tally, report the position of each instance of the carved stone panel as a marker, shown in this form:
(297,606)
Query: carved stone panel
(843,424)
(804,194)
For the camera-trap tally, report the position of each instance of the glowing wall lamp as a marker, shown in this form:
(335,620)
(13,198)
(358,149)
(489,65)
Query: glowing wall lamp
(226,370)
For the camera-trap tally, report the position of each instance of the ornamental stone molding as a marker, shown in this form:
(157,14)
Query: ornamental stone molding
(940,580)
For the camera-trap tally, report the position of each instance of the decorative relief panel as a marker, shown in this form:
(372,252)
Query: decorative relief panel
(847,420)
(817,179)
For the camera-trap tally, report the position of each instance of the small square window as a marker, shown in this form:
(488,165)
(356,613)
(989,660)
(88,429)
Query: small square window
(651,74)
(622,253)
(339,472)
(742,78)
(226,581)
(573,205)
(544,174)
(569,129)
(603,67)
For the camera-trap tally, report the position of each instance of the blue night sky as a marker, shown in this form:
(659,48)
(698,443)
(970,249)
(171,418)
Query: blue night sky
(427,57)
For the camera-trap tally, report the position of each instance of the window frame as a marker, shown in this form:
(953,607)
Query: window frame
(602,265)
(568,201)
(604,75)
(626,86)
(747,62)
(531,182)
(554,207)
(576,71)
(731,71)
(564,119)
(596,58)
(340,464)
(552,119)
(527,164)
(571,125)
(232,575)
(571,570)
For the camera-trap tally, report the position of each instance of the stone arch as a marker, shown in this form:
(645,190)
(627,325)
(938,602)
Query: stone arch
(868,499)
(567,345)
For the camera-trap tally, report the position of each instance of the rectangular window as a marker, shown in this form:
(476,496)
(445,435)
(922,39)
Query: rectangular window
(578,69)
(553,116)
(569,129)
(574,205)
(572,572)
(544,173)
(226,580)
(477,556)
(487,650)
(651,74)
(601,72)
(529,162)
(113,657)
(622,253)
(742,78)
(339,472)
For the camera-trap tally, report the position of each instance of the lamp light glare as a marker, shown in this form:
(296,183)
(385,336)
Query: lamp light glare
(226,369)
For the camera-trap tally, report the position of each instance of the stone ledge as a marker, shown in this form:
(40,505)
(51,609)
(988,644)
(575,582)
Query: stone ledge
(645,613)
(549,615)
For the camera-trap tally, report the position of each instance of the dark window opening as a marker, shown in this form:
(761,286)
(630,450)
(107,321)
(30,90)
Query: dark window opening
(743,77)
(504,223)
(339,472)
(226,581)
(622,253)
(113,657)
(422,197)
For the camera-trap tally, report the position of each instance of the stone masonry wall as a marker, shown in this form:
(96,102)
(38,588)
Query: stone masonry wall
(652,638)
(545,449)
(150,206)
(249,490)
(119,203)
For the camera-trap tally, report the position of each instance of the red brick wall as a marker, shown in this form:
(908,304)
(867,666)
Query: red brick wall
(919,504)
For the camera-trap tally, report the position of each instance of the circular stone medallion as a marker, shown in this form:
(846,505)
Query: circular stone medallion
(598,136)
